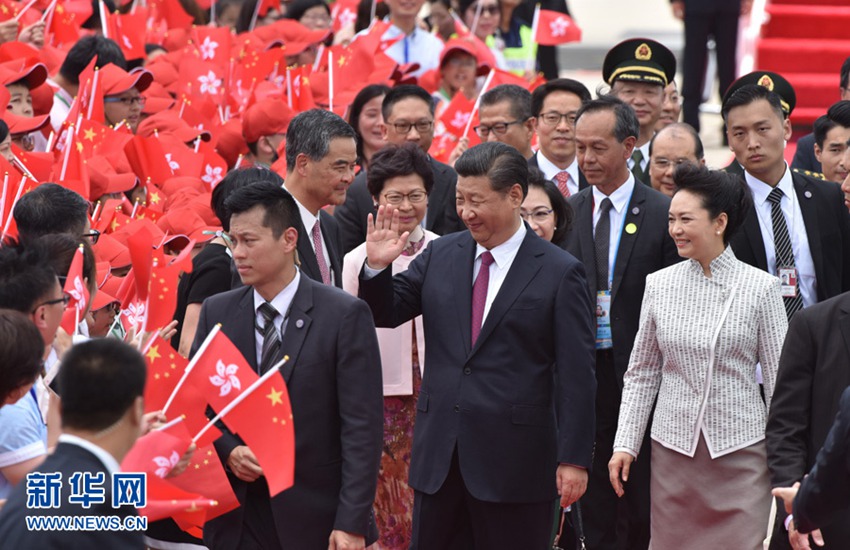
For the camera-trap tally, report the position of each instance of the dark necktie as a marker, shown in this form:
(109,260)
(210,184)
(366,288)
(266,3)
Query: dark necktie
(320,253)
(783,250)
(601,242)
(271,339)
(479,294)
(637,171)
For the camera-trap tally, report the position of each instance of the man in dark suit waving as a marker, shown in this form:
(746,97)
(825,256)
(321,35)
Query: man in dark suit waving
(620,233)
(505,413)
(334,381)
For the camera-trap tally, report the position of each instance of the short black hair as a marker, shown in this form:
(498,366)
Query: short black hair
(26,278)
(21,350)
(234,180)
(558,85)
(751,93)
(297,8)
(560,207)
(393,161)
(403,92)
(626,123)
(845,73)
(838,114)
(99,381)
(719,192)
(699,150)
(281,209)
(60,250)
(311,133)
(502,164)
(518,97)
(363,97)
(464,5)
(86,48)
(50,208)
(4,130)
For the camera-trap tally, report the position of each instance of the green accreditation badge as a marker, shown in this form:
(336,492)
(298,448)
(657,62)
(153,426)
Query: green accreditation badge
(603,320)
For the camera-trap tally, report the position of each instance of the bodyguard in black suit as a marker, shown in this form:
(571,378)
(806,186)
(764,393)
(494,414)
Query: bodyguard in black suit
(102,383)
(637,235)
(321,155)
(334,381)
(757,127)
(506,406)
(408,112)
(813,373)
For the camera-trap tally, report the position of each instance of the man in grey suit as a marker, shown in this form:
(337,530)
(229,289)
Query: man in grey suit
(333,378)
(408,113)
(620,233)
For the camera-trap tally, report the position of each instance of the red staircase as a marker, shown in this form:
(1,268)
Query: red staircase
(806,41)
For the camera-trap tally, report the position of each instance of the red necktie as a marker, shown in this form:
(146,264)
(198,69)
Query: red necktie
(562,178)
(479,294)
(320,254)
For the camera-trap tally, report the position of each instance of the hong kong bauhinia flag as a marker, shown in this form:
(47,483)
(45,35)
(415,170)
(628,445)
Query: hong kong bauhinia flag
(555,28)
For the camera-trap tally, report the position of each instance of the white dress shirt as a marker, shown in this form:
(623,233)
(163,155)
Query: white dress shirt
(309,220)
(806,277)
(107,459)
(617,214)
(281,303)
(419,46)
(503,256)
(644,163)
(550,171)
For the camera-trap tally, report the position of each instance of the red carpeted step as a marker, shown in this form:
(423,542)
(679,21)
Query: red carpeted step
(806,116)
(785,55)
(807,21)
(814,90)
(813,3)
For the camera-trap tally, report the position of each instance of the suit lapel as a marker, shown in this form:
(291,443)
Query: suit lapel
(584,227)
(844,324)
(309,265)
(582,181)
(462,274)
(633,215)
(755,239)
(241,329)
(435,203)
(810,219)
(524,267)
(297,326)
(330,232)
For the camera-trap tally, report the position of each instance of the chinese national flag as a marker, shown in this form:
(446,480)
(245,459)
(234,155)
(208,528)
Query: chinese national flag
(89,100)
(165,367)
(302,93)
(555,28)
(162,296)
(40,165)
(75,287)
(70,170)
(64,27)
(140,246)
(205,475)
(166,500)
(456,115)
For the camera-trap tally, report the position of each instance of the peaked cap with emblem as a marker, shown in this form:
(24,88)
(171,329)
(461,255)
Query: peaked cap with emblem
(639,60)
(772,81)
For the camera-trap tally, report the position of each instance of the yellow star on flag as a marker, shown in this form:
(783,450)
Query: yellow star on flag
(275,397)
(89,134)
(79,147)
(154,197)
(153,353)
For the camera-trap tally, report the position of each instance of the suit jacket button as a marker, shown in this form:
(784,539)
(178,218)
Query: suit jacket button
(467,370)
(457,408)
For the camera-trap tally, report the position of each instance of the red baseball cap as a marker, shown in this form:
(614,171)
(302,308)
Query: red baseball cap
(186,221)
(157,99)
(170,123)
(114,80)
(265,118)
(109,249)
(32,76)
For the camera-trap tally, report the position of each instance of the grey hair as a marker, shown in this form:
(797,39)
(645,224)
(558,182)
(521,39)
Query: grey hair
(311,133)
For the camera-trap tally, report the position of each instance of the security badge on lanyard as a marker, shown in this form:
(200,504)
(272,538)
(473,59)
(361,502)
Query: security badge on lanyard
(603,320)
(788,281)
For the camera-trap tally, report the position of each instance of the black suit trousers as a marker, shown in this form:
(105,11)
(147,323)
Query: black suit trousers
(612,523)
(698,27)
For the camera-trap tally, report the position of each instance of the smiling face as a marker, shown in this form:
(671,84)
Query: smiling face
(491,216)
(757,136)
(369,124)
(488,21)
(410,191)
(125,107)
(410,110)
(458,71)
(671,107)
(537,211)
(327,179)
(644,98)
(670,148)
(557,142)
(696,235)
(832,155)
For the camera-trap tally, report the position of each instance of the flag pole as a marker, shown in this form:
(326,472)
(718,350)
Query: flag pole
(103,26)
(3,198)
(476,18)
(191,366)
(93,92)
(48,11)
(24,10)
(478,101)
(241,397)
(14,202)
(535,23)
(255,16)
(171,424)
(330,81)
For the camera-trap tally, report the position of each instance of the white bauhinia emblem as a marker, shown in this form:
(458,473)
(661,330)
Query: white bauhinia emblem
(559,26)
(209,83)
(173,164)
(135,313)
(212,175)
(165,464)
(78,293)
(460,119)
(347,17)
(226,378)
(208,48)
(127,43)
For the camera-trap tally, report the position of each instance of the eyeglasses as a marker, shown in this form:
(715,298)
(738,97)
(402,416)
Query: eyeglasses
(490,10)
(127,101)
(64,300)
(414,197)
(553,118)
(538,216)
(404,127)
(499,128)
(663,164)
(93,235)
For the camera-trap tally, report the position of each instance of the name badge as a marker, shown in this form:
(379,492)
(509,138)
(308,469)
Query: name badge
(603,320)
(788,281)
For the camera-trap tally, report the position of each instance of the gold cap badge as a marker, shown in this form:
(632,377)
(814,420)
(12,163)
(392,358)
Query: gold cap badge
(643,53)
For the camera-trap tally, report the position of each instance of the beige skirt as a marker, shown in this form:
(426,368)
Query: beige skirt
(704,504)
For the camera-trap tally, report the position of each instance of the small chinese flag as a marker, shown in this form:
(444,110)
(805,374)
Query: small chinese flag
(165,367)
(76,288)
(205,475)
(555,28)
(162,292)
(166,500)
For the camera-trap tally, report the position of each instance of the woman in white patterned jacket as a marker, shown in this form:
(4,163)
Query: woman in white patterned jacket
(705,325)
